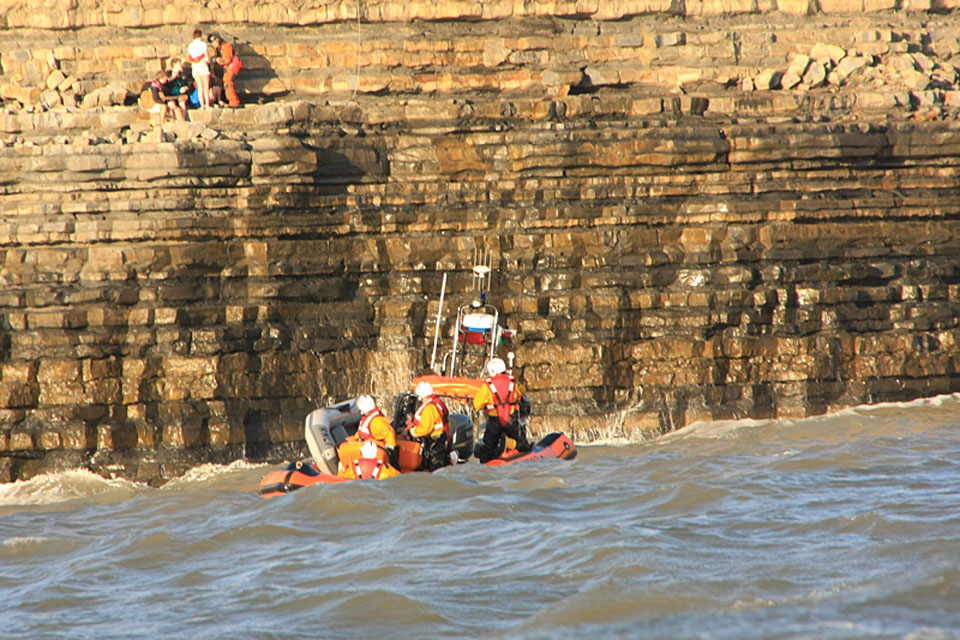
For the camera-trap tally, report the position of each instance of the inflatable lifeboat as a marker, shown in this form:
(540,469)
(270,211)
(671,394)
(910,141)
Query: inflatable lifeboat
(304,474)
(476,335)
(553,445)
(325,430)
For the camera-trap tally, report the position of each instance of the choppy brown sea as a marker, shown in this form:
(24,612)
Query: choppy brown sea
(842,526)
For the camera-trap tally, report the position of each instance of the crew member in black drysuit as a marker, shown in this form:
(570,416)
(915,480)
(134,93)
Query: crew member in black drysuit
(503,399)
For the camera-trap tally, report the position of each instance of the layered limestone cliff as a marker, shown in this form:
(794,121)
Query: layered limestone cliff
(692,214)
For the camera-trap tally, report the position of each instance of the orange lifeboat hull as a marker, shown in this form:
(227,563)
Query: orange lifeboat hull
(295,476)
(554,445)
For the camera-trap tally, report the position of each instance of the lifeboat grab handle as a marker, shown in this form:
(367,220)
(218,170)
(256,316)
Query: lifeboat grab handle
(436,334)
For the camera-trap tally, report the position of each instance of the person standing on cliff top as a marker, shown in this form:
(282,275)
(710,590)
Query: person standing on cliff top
(200,67)
(228,59)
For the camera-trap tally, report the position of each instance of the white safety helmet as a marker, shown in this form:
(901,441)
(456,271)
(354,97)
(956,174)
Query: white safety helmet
(368,449)
(496,366)
(366,404)
(424,389)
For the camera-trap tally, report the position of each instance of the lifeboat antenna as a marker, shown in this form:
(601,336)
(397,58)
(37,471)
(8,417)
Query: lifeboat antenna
(436,333)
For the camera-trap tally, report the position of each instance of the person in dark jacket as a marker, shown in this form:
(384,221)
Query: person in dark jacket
(177,87)
(162,103)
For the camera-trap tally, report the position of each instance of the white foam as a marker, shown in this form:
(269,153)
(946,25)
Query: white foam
(719,428)
(612,441)
(933,401)
(722,428)
(51,488)
(18,541)
(206,472)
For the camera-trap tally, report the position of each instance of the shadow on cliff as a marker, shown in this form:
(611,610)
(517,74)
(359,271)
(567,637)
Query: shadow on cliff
(877,146)
(347,158)
(257,81)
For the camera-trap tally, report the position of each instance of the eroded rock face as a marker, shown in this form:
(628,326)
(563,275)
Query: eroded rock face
(864,59)
(674,239)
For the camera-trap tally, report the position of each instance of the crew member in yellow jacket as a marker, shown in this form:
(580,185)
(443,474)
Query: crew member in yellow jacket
(375,426)
(372,464)
(430,426)
(502,397)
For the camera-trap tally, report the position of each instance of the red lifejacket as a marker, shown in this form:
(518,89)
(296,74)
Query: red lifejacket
(503,388)
(363,431)
(367,468)
(441,409)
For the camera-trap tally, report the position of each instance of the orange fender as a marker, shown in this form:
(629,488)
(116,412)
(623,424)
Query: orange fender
(411,455)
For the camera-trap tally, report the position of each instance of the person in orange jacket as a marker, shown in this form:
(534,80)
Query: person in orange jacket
(371,465)
(502,397)
(429,425)
(227,58)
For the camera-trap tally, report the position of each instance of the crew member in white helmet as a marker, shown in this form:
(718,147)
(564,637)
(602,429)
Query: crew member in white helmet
(430,425)
(375,426)
(502,397)
(371,465)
